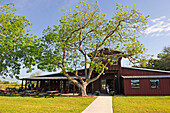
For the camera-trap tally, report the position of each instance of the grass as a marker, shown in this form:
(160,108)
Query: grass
(18,104)
(133,104)
(4,86)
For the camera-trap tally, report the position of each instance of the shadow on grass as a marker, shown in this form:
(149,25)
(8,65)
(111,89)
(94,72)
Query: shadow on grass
(34,96)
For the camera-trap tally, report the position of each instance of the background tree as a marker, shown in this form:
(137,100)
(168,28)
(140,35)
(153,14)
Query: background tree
(162,63)
(165,59)
(14,42)
(86,30)
(35,74)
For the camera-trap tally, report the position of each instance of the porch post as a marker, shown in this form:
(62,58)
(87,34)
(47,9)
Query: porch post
(25,84)
(73,89)
(118,78)
(49,85)
(22,85)
(37,83)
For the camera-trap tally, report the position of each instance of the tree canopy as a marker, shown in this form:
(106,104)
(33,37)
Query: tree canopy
(14,41)
(86,30)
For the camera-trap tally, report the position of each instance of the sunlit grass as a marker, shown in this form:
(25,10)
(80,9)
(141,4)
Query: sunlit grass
(17,104)
(134,104)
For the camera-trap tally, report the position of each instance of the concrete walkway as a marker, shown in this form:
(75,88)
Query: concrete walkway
(102,104)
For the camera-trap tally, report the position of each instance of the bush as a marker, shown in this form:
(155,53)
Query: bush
(97,93)
(15,83)
(111,93)
(6,82)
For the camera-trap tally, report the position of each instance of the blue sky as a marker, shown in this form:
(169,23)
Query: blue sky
(42,13)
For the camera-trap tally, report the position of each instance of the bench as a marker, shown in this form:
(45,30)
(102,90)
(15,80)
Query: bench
(52,93)
(29,93)
(4,92)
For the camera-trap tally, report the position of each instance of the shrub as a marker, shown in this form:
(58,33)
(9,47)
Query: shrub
(97,93)
(15,83)
(6,82)
(111,93)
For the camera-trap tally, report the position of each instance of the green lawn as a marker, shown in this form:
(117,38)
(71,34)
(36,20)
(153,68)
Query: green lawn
(133,104)
(17,104)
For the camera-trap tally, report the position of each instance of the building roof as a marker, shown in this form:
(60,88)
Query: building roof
(148,76)
(145,69)
(48,78)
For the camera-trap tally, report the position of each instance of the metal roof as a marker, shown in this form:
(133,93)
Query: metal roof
(48,78)
(55,73)
(145,69)
(148,76)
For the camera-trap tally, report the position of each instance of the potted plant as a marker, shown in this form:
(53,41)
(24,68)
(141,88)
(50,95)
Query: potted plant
(111,93)
(97,93)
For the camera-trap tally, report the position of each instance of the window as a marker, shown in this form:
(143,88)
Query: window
(61,84)
(103,84)
(135,84)
(154,83)
(67,84)
(114,61)
(47,83)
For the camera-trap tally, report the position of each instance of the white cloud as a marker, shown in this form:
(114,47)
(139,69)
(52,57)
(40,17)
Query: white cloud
(157,19)
(159,27)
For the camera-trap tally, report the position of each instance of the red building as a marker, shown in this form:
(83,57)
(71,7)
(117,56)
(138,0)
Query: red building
(122,80)
(138,81)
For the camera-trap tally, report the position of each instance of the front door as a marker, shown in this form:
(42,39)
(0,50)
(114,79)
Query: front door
(110,83)
(107,83)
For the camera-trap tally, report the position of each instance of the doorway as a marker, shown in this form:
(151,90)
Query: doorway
(109,82)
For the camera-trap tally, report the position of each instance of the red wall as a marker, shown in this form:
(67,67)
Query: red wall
(129,72)
(145,87)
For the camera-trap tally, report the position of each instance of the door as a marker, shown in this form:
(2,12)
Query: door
(111,84)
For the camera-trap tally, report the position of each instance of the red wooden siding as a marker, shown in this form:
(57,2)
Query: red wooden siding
(130,72)
(145,87)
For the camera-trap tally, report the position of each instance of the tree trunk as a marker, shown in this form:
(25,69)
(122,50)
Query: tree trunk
(83,91)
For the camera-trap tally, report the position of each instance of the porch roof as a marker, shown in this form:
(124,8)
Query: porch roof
(49,78)
(148,76)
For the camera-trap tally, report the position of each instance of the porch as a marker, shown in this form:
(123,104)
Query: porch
(44,84)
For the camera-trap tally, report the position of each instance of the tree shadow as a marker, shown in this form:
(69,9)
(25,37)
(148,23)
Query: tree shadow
(33,96)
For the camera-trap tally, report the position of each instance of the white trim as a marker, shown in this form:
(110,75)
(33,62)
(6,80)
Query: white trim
(45,78)
(147,69)
(55,73)
(148,76)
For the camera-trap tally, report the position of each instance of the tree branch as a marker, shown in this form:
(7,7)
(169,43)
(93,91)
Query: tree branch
(94,79)
(72,79)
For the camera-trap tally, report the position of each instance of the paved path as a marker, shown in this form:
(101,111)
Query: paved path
(102,104)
